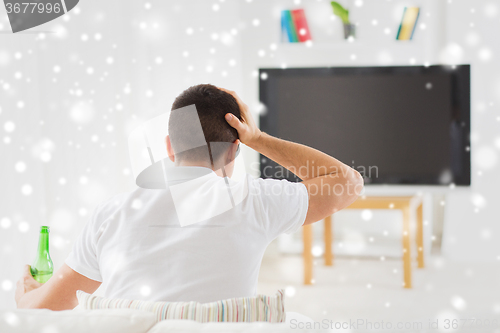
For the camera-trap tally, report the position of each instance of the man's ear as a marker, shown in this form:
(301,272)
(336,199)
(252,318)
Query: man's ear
(170,151)
(231,154)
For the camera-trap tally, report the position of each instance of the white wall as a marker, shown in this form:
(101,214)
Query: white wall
(63,110)
(472,228)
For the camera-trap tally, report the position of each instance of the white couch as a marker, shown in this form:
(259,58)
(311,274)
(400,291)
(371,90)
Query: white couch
(125,321)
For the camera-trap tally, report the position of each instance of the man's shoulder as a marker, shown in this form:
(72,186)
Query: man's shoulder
(274,187)
(272,182)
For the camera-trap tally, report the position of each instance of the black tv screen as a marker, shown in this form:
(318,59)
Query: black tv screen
(395,125)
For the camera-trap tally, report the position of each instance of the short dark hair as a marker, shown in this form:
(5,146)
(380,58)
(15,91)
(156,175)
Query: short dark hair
(212,104)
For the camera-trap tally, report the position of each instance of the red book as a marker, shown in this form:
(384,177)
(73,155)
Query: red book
(299,19)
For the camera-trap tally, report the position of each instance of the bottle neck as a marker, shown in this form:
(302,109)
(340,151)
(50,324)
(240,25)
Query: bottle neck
(43,242)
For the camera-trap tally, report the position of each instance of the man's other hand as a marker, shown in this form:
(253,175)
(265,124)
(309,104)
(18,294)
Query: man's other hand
(26,283)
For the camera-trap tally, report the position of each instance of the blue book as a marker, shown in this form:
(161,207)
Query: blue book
(289,26)
(285,37)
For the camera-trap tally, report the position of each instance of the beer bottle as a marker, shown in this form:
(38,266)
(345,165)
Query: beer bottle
(42,268)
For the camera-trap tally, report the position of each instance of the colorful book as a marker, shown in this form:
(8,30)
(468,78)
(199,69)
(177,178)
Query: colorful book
(301,26)
(289,26)
(408,23)
(285,37)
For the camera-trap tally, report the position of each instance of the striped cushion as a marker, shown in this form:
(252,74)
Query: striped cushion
(242,309)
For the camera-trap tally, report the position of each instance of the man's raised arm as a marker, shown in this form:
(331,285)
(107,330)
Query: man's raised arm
(331,184)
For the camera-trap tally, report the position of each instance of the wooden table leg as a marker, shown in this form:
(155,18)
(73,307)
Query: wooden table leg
(406,247)
(420,237)
(307,236)
(328,241)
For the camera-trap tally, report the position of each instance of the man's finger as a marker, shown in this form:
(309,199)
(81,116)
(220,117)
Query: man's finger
(224,89)
(27,272)
(233,121)
(232,93)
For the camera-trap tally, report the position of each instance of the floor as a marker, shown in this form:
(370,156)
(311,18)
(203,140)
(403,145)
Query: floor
(368,292)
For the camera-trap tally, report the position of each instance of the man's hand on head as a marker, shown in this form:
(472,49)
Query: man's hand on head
(248,131)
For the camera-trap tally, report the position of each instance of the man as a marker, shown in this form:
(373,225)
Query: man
(145,254)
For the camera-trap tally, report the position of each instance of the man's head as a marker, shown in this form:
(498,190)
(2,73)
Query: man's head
(212,104)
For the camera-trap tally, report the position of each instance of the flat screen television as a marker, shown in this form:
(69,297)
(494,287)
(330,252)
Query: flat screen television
(395,125)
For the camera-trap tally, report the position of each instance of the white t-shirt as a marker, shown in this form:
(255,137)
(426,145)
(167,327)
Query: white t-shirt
(134,242)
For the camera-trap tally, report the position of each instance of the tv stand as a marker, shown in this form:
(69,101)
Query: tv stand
(404,203)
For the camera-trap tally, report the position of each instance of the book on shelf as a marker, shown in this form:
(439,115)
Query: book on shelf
(302,29)
(408,23)
(294,27)
(288,27)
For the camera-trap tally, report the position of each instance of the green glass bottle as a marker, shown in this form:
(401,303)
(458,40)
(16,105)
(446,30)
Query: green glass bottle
(42,268)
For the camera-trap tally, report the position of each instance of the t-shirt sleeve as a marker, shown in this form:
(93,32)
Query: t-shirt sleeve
(83,257)
(283,205)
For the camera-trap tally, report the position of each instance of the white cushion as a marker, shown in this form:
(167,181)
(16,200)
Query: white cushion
(191,326)
(76,321)
(295,317)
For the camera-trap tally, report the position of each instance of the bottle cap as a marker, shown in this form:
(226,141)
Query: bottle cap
(45,228)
